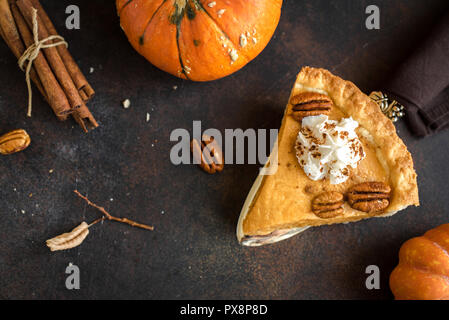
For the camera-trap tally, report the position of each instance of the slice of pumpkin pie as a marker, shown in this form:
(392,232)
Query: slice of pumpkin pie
(339,160)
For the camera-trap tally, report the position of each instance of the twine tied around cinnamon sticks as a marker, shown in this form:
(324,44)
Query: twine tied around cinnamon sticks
(44,56)
(33,51)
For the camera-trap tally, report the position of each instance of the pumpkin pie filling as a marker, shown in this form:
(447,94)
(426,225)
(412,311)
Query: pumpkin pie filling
(280,205)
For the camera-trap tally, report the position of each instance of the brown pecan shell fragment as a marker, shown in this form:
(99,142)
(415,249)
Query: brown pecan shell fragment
(14,141)
(328,205)
(370,197)
(308,104)
(207,154)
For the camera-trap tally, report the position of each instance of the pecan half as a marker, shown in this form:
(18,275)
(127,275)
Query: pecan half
(370,197)
(308,104)
(14,141)
(328,205)
(207,154)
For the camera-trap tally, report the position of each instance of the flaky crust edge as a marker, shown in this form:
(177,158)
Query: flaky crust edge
(348,97)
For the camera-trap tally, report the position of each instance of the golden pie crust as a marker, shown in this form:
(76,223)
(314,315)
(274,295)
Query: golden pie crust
(282,202)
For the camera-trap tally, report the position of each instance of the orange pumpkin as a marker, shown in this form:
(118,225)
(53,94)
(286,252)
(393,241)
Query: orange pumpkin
(200,40)
(423,270)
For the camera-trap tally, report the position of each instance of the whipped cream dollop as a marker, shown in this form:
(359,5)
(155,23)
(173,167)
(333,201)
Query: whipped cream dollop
(328,149)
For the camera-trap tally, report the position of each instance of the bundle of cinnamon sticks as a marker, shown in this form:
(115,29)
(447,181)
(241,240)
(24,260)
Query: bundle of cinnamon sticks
(54,71)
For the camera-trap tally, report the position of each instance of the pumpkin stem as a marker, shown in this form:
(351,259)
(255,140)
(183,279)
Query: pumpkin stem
(180,5)
(178,14)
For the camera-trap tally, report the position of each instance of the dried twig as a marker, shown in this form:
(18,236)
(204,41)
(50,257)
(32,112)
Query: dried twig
(75,237)
(110,217)
(96,221)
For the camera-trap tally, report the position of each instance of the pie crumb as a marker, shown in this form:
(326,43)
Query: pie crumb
(126,104)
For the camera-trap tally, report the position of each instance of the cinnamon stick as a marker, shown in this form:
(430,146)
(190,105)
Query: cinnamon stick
(49,67)
(9,30)
(78,77)
(83,115)
(55,95)
(53,58)
(11,36)
(2,35)
(81,112)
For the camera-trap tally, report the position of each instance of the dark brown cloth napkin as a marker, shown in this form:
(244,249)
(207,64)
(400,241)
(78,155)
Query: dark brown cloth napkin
(421,83)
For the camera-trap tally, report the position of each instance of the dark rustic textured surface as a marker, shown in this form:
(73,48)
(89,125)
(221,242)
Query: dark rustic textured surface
(193,253)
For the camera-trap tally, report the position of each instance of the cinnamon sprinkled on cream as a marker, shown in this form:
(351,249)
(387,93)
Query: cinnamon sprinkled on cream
(328,149)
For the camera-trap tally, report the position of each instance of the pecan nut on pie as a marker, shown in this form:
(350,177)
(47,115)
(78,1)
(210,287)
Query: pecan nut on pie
(339,160)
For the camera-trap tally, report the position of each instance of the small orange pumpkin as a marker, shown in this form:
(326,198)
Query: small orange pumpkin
(423,270)
(200,40)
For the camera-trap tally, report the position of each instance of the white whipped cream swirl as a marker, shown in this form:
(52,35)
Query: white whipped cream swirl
(327,148)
